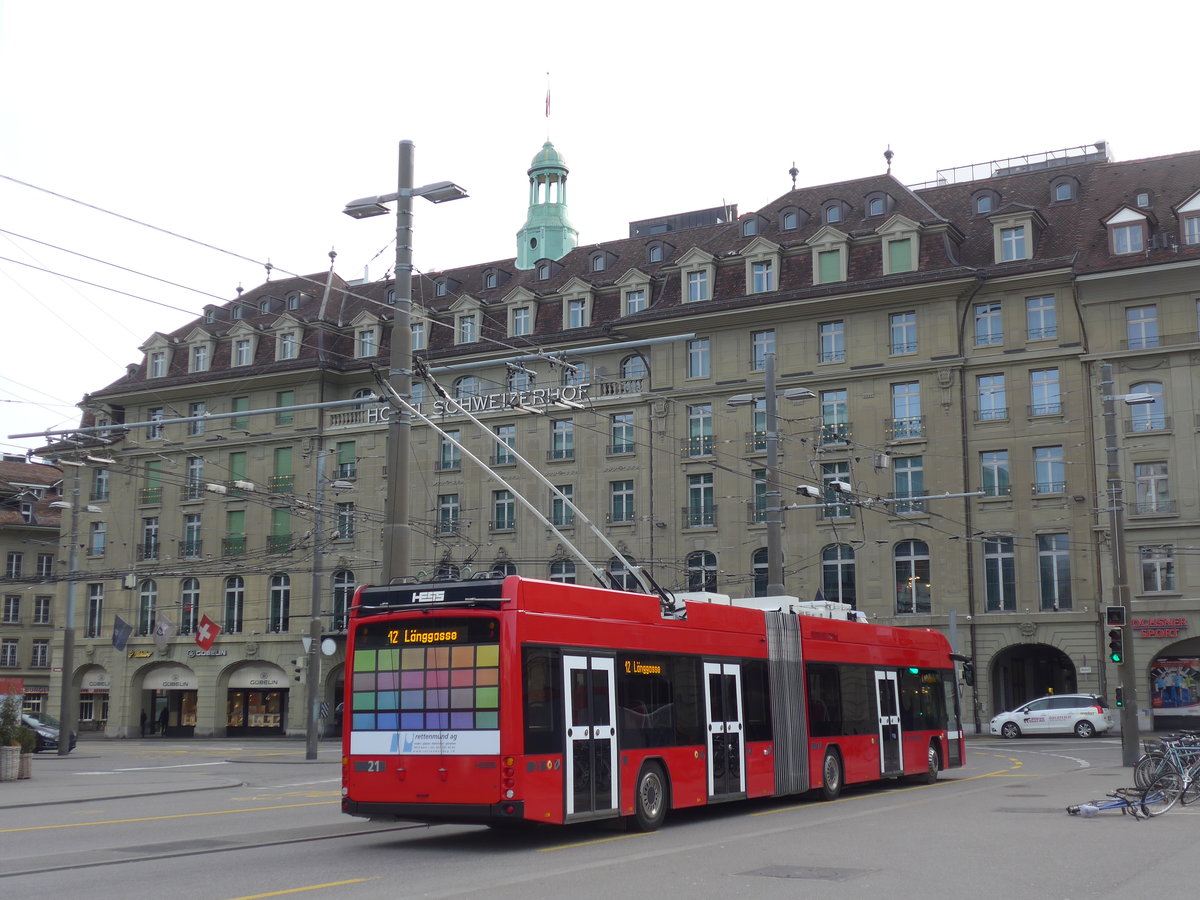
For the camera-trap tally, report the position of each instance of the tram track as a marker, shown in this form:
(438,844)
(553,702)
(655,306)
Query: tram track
(113,856)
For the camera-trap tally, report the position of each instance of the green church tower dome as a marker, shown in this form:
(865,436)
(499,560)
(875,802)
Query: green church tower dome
(548,233)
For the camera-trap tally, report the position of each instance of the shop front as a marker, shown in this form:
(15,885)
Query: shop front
(256,702)
(1173,669)
(95,685)
(169,702)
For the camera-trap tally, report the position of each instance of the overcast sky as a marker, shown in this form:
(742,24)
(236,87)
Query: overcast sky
(241,129)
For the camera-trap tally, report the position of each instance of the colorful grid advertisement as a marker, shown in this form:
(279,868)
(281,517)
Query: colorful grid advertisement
(1175,687)
(441,696)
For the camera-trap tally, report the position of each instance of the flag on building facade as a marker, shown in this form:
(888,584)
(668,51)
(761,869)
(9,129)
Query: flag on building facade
(207,633)
(121,632)
(162,630)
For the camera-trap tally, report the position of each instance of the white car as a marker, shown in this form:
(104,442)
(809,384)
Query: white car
(1082,714)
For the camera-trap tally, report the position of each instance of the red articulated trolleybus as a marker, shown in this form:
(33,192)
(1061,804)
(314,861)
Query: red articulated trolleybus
(517,700)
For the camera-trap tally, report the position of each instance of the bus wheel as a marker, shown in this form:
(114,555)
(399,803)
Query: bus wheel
(831,776)
(650,798)
(931,773)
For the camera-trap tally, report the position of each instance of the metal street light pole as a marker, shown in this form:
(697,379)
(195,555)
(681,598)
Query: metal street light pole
(397,533)
(774,495)
(66,709)
(1126,670)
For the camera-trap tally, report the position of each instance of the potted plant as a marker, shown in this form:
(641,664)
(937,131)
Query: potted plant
(10,739)
(28,747)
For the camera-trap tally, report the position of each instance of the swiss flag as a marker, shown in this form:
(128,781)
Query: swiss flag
(207,633)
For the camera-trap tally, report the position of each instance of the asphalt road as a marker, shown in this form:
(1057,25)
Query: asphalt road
(218,819)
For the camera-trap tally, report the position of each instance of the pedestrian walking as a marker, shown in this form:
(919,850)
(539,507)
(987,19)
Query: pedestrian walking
(162,721)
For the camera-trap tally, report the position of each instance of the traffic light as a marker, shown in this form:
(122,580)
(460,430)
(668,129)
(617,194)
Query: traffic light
(1116,645)
(968,672)
(1120,695)
(298,668)
(1114,615)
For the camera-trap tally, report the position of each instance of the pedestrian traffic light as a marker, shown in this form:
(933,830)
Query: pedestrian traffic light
(1114,615)
(1120,695)
(1116,645)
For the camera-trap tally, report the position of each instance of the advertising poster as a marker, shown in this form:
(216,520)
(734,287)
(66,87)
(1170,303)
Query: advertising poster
(1175,687)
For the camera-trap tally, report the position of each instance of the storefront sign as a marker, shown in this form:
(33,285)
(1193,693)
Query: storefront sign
(140,654)
(1166,626)
(208,653)
(96,680)
(477,403)
(263,677)
(171,678)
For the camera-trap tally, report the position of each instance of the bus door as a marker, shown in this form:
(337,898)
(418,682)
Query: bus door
(891,755)
(591,752)
(723,717)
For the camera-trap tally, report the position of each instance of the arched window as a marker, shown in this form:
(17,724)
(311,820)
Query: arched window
(419,393)
(520,380)
(362,394)
(235,598)
(343,592)
(467,386)
(281,603)
(189,605)
(620,574)
(837,573)
(702,571)
(634,367)
(447,571)
(562,570)
(1147,416)
(912,578)
(758,563)
(147,603)
(502,568)
(578,372)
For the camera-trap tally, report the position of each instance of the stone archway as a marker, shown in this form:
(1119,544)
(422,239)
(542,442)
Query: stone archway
(1023,672)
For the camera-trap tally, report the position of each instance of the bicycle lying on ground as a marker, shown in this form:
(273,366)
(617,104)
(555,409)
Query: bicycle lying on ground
(1141,803)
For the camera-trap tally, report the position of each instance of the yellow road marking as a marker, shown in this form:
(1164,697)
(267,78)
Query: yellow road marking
(216,812)
(311,887)
(607,840)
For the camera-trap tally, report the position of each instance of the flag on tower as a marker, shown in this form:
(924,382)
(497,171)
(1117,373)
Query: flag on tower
(207,633)
(162,630)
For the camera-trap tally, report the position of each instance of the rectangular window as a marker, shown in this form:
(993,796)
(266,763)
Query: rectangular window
(282,480)
(835,421)
(621,505)
(989,328)
(288,346)
(237,469)
(1012,243)
(154,431)
(237,405)
(193,487)
(833,341)
(900,256)
(198,409)
(903,328)
(468,329)
(1054,571)
(40,657)
(1041,321)
(200,358)
(151,491)
(41,610)
(8,653)
(522,321)
(830,473)
(101,481)
(1044,394)
(450,458)
(761,277)
(993,402)
(419,341)
(1141,327)
(759,478)
(365,343)
(577,313)
(14,564)
(95,610)
(149,545)
(504,511)
(697,285)
(701,509)
(1050,471)
(347,459)
(285,398)
(700,429)
(158,364)
(345,521)
(635,301)
(907,421)
(234,542)
(96,539)
(45,565)
(190,546)
(829,266)
(999,574)
(280,538)
(505,454)
(562,439)
(1152,487)
(1158,568)
(241,352)
(909,481)
(995,473)
(1129,238)
(761,343)
(562,514)
(699,362)
(12,609)
(621,429)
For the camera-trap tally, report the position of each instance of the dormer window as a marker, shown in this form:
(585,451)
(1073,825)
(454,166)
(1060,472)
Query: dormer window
(598,262)
(635,301)
(762,277)
(985,202)
(875,206)
(264,305)
(489,280)
(199,358)
(833,212)
(789,221)
(520,321)
(243,352)
(239,312)
(749,227)
(697,286)
(287,345)
(1012,243)
(1143,199)
(878,203)
(466,328)
(577,314)
(654,253)
(543,272)
(157,367)
(1189,220)
(293,300)
(366,343)
(1127,230)
(440,289)
(390,296)
(1015,236)
(419,341)
(210,316)
(1063,189)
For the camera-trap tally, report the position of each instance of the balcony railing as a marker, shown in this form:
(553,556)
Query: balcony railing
(902,506)
(620,386)
(279,543)
(756,441)
(147,550)
(1155,507)
(281,484)
(906,428)
(1049,408)
(150,496)
(451,526)
(190,548)
(233,545)
(1142,424)
(696,446)
(565,519)
(621,448)
(1050,487)
(560,454)
(193,490)
(699,516)
(994,414)
(835,433)
(448,464)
